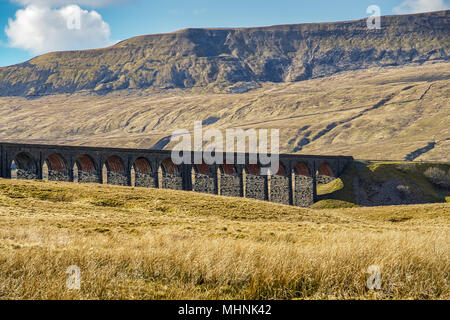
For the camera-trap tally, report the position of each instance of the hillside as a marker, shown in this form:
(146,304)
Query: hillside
(233,60)
(387,183)
(162,244)
(390,113)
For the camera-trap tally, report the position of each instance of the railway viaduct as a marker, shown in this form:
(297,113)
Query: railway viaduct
(294,184)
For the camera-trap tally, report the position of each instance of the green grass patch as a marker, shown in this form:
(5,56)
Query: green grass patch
(333,204)
(331,187)
(341,188)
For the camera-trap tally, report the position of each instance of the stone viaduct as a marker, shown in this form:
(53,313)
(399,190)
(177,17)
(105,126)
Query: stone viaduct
(294,184)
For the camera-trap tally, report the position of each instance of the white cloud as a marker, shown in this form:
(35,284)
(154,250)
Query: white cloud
(43,29)
(59,3)
(417,6)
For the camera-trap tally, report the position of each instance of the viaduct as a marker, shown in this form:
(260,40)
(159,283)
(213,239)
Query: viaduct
(294,184)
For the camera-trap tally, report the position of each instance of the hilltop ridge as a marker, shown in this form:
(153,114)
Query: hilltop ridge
(233,60)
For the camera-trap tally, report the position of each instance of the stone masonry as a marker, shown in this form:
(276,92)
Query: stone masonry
(26,161)
(280,189)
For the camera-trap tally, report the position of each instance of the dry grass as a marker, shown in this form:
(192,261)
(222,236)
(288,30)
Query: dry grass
(160,244)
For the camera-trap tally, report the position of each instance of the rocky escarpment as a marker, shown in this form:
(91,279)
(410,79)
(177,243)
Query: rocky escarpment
(233,60)
(390,183)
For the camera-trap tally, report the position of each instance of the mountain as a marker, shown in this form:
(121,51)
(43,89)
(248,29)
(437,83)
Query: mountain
(233,60)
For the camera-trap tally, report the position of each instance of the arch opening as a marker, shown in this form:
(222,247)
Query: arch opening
(203,179)
(142,165)
(85,163)
(115,171)
(325,174)
(169,167)
(26,166)
(281,171)
(85,170)
(253,169)
(325,170)
(227,169)
(302,169)
(171,175)
(142,174)
(203,168)
(55,168)
(114,164)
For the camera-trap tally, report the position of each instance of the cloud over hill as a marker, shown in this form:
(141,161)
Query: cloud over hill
(43,29)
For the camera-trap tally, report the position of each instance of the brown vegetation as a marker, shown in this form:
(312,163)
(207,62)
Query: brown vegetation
(160,244)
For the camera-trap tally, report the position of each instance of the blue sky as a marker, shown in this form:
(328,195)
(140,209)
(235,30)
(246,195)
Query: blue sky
(32,27)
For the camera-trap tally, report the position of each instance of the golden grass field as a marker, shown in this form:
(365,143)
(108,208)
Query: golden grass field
(340,115)
(160,244)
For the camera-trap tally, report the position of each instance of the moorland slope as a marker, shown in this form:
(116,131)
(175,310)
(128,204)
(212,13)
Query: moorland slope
(393,113)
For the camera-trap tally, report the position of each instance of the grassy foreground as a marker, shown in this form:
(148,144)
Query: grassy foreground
(160,244)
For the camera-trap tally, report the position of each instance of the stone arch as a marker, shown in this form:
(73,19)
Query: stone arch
(115,164)
(255,183)
(229,181)
(168,166)
(171,176)
(85,170)
(57,169)
(325,173)
(203,179)
(279,185)
(142,174)
(115,171)
(202,168)
(142,165)
(228,169)
(302,169)
(282,171)
(26,166)
(86,163)
(253,169)
(325,170)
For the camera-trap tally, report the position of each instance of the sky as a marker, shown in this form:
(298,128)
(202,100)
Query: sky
(33,27)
